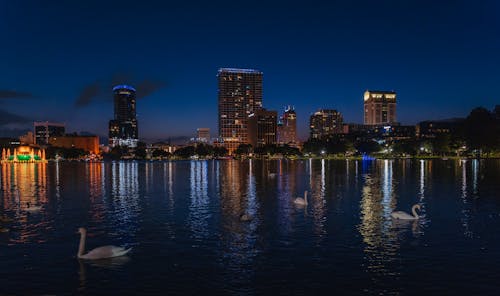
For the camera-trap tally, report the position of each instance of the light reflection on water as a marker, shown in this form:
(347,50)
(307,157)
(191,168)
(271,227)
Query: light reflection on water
(183,221)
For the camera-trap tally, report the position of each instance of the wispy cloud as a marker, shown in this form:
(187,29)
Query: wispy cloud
(10,118)
(88,93)
(13,94)
(101,91)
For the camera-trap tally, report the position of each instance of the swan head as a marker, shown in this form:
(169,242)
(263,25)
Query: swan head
(82,230)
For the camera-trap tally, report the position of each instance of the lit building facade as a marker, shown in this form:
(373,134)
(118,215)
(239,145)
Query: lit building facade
(262,126)
(203,135)
(379,107)
(87,143)
(325,122)
(123,130)
(434,128)
(27,139)
(44,130)
(287,128)
(239,95)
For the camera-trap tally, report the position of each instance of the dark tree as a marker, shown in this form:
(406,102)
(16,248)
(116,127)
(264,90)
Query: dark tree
(367,147)
(185,152)
(481,130)
(409,146)
(243,149)
(220,151)
(161,153)
(204,150)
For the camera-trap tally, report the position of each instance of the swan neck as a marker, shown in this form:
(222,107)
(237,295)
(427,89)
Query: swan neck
(305,197)
(81,247)
(414,211)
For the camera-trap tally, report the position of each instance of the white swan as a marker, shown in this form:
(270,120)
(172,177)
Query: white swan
(245,218)
(301,201)
(98,253)
(30,208)
(405,216)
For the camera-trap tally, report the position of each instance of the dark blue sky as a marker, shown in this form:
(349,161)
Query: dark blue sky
(442,58)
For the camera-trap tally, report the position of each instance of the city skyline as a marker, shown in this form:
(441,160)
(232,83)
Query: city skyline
(59,66)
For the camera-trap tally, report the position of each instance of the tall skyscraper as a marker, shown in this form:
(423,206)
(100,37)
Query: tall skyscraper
(123,129)
(325,122)
(239,94)
(379,107)
(44,130)
(287,129)
(262,127)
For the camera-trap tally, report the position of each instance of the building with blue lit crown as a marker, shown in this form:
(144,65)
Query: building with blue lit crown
(123,130)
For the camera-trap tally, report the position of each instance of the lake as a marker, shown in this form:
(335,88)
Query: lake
(182,219)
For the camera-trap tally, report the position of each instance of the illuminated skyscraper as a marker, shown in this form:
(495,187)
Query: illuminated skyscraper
(262,128)
(123,129)
(240,94)
(379,107)
(287,129)
(325,123)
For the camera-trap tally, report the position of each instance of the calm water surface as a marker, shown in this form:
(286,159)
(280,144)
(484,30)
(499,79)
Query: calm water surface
(183,221)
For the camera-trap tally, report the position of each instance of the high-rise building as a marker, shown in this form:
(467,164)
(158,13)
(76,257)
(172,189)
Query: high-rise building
(379,107)
(203,135)
(325,122)
(239,94)
(123,130)
(262,127)
(44,130)
(287,127)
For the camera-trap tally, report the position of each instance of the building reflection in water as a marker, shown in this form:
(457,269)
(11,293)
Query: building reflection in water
(168,181)
(199,207)
(380,234)
(421,192)
(123,204)
(316,202)
(94,176)
(238,238)
(22,183)
(469,189)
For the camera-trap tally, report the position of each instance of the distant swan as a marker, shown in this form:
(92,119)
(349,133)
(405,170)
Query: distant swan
(98,253)
(405,216)
(245,218)
(301,201)
(30,208)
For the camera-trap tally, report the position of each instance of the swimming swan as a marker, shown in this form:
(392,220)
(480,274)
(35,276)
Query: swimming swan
(301,201)
(405,216)
(98,253)
(245,218)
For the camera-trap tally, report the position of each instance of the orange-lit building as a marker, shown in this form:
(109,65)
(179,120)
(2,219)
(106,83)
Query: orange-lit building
(379,107)
(87,143)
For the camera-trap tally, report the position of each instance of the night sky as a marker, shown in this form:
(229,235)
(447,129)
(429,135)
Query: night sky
(59,59)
